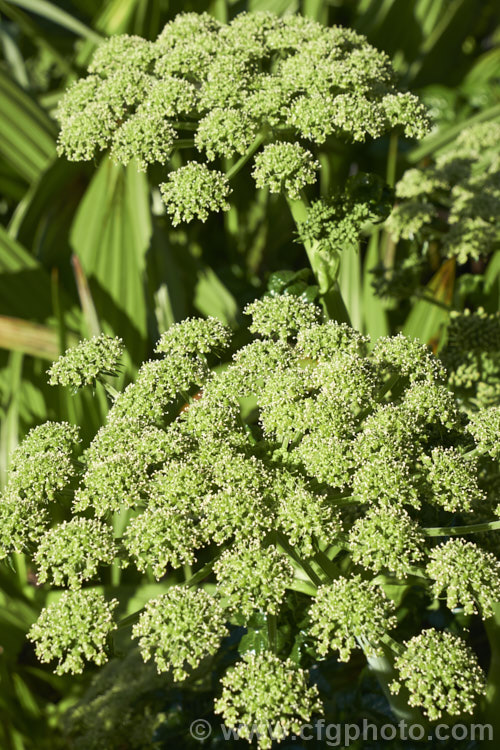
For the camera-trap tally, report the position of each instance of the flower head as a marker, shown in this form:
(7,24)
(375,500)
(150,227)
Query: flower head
(179,629)
(262,690)
(441,674)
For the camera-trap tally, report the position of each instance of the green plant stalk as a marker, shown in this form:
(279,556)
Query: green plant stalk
(306,567)
(325,272)
(490,706)
(473,528)
(238,166)
(383,668)
(272,631)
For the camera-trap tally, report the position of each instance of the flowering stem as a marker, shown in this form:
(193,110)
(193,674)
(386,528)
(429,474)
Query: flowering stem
(490,707)
(272,631)
(325,269)
(383,668)
(473,528)
(308,570)
(246,156)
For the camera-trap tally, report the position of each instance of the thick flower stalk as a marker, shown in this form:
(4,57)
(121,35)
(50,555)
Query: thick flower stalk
(354,473)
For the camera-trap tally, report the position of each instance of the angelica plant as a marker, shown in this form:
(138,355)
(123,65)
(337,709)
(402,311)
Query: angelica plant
(207,99)
(311,473)
(446,209)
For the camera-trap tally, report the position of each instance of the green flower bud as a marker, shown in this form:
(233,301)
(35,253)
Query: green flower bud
(387,539)
(194,336)
(43,465)
(194,190)
(22,523)
(452,480)
(468,575)
(484,426)
(224,132)
(281,316)
(160,538)
(285,166)
(72,552)
(251,578)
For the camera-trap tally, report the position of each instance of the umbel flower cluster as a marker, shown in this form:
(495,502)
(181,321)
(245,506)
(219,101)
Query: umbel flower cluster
(306,473)
(262,87)
(472,357)
(456,199)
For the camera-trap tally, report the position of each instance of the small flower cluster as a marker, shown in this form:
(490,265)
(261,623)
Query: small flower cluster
(350,609)
(456,199)
(41,470)
(87,362)
(326,482)
(261,689)
(468,574)
(336,224)
(441,673)
(179,629)
(471,356)
(75,628)
(260,79)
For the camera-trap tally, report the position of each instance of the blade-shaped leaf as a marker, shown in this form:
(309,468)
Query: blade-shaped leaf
(59,16)
(426,318)
(375,322)
(213,298)
(27,135)
(31,338)
(350,283)
(111,235)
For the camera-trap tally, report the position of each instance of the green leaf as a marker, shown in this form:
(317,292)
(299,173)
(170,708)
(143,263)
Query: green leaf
(9,427)
(211,297)
(59,16)
(27,135)
(426,318)
(30,338)
(166,283)
(111,235)
(375,322)
(24,284)
(43,217)
(350,283)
